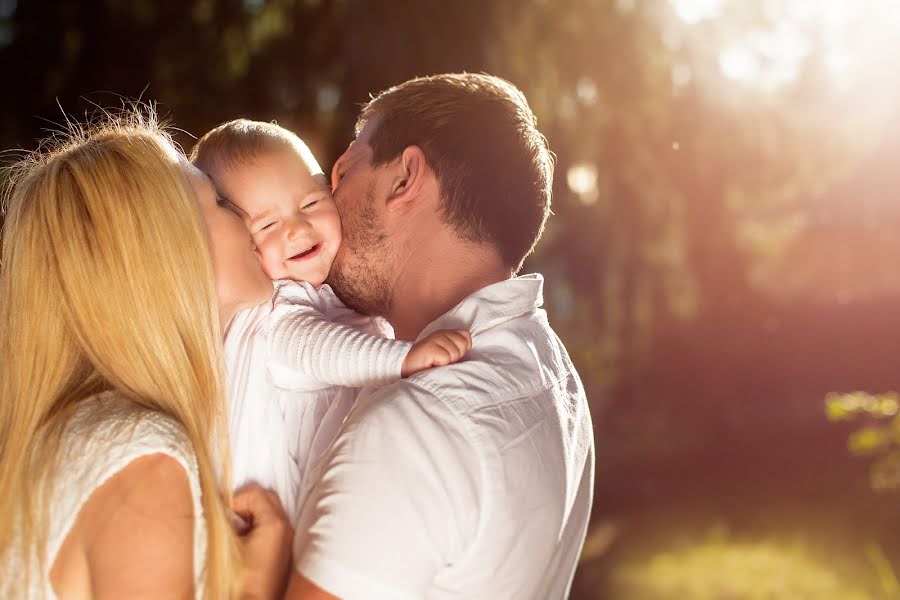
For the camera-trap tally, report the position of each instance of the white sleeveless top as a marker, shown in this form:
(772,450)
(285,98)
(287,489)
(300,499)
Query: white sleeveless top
(105,435)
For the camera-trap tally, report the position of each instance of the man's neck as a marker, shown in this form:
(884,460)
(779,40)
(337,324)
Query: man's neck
(436,276)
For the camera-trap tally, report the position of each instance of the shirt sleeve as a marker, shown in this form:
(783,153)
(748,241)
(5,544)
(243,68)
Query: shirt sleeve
(303,339)
(398,499)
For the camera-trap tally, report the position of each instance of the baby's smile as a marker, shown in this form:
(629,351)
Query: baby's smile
(308,253)
(291,214)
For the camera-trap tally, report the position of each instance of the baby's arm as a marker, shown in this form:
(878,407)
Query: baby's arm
(303,339)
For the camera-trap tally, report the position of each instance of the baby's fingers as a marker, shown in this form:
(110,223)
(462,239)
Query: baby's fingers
(449,349)
(459,339)
(462,338)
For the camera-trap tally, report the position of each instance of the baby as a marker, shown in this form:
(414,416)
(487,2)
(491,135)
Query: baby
(292,363)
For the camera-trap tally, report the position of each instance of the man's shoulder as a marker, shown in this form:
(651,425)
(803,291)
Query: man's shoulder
(513,361)
(519,368)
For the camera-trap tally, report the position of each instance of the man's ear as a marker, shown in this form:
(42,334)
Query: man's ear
(409,177)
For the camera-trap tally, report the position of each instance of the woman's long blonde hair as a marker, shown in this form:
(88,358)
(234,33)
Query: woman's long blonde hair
(106,283)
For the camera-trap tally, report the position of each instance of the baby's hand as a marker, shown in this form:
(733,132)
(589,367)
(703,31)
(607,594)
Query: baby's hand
(437,349)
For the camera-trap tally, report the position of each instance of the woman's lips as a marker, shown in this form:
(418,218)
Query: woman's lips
(306,253)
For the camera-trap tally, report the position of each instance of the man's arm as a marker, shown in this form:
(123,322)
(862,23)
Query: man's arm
(301,588)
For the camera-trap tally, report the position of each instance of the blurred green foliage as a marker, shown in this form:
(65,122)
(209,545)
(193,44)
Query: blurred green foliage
(880,439)
(724,568)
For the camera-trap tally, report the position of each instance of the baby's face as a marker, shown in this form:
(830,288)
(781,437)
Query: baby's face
(290,213)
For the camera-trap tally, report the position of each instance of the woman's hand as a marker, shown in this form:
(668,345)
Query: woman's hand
(266,543)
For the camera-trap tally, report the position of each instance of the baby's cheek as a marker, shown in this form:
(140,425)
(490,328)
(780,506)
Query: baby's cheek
(337,234)
(271,261)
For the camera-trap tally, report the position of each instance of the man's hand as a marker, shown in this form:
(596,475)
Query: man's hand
(265,539)
(440,348)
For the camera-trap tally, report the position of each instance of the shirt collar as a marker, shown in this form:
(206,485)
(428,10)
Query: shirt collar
(492,305)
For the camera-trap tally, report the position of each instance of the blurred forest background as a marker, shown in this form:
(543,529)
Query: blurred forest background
(722,258)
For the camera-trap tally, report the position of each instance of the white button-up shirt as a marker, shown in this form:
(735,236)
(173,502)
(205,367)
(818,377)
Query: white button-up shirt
(471,481)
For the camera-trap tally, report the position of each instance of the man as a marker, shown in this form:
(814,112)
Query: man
(472,480)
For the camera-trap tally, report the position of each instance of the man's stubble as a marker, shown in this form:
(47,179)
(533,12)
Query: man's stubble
(360,275)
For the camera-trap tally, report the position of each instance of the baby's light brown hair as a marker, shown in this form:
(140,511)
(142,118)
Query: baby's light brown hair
(239,141)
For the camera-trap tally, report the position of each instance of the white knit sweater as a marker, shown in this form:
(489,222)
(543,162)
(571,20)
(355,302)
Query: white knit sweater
(293,366)
(105,434)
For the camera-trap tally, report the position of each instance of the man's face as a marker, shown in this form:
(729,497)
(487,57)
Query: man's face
(363,269)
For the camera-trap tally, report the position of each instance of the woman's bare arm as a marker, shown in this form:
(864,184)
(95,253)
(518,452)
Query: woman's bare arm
(134,537)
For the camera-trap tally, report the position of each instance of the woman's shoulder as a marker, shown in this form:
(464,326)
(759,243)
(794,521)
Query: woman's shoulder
(127,463)
(156,484)
(151,494)
(111,427)
(108,431)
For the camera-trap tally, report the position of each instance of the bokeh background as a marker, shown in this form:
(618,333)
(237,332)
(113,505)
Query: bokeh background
(722,261)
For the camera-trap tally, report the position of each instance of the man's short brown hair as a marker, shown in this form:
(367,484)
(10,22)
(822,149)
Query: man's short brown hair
(480,137)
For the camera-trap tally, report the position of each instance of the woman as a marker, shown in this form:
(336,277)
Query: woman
(112,432)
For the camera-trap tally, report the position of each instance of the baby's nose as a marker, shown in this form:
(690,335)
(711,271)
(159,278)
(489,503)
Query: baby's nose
(296,228)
